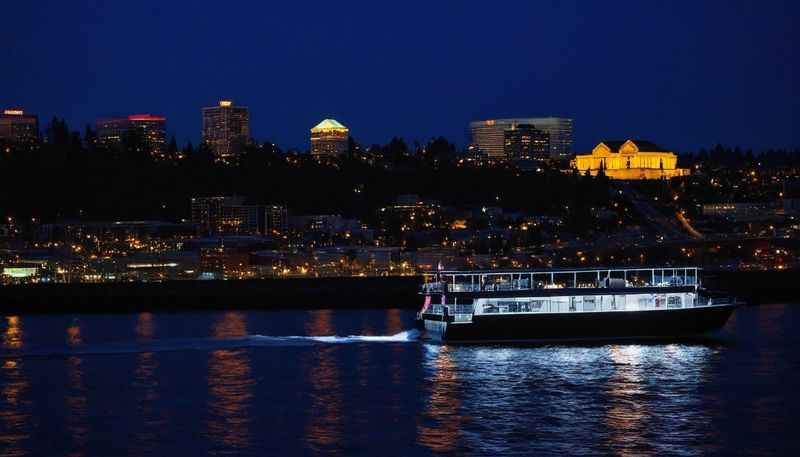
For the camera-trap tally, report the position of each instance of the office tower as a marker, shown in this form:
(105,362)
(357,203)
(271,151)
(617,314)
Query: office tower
(224,216)
(488,136)
(226,130)
(525,142)
(239,220)
(18,130)
(276,220)
(329,139)
(144,132)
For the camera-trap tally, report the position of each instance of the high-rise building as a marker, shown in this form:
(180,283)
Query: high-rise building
(239,219)
(224,215)
(488,136)
(146,131)
(226,130)
(525,142)
(276,220)
(329,139)
(18,130)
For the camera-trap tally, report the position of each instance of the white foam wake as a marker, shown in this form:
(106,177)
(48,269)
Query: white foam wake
(402,337)
(209,344)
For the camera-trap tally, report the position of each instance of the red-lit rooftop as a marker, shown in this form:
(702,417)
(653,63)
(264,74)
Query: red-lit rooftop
(146,117)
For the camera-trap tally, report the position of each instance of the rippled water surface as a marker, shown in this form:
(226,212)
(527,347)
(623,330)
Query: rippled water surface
(361,383)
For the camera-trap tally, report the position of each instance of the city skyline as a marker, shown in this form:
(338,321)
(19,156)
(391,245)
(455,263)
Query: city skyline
(696,85)
(546,227)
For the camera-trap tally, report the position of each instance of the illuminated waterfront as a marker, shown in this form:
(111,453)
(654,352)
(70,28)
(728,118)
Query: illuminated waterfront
(250,383)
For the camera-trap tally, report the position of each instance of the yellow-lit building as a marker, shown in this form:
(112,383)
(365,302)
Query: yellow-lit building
(630,159)
(329,138)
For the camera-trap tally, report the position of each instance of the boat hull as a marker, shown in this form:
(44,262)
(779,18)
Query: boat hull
(580,326)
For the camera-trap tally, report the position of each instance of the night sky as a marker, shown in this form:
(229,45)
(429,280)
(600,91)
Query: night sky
(683,74)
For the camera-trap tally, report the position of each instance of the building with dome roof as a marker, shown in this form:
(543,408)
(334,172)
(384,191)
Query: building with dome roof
(329,139)
(630,160)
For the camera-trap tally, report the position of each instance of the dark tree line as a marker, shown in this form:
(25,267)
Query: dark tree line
(734,157)
(73,176)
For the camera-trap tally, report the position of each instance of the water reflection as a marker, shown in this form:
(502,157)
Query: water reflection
(77,423)
(364,351)
(394,325)
(324,428)
(230,385)
(439,428)
(656,387)
(14,405)
(627,415)
(144,440)
(12,337)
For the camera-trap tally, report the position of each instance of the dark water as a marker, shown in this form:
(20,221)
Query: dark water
(248,383)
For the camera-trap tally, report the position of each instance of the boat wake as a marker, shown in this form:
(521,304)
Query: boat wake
(402,337)
(209,344)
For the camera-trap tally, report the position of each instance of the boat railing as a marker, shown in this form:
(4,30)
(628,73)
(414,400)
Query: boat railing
(498,281)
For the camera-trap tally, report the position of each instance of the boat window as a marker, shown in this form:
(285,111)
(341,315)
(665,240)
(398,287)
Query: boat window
(674,302)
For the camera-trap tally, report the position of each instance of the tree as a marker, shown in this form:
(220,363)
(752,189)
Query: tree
(172,149)
(439,151)
(397,150)
(90,138)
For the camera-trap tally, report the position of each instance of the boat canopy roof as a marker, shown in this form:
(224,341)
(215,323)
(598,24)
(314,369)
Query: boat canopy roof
(525,271)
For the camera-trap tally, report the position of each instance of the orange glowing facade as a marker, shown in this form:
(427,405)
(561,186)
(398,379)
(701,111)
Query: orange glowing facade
(630,160)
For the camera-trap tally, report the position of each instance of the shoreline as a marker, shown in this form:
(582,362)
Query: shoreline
(753,287)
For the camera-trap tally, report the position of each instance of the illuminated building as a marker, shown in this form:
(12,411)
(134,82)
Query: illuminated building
(19,130)
(630,159)
(149,133)
(329,138)
(524,142)
(276,220)
(224,215)
(488,136)
(226,130)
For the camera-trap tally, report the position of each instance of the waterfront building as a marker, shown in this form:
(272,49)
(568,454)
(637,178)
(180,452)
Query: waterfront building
(630,160)
(329,139)
(224,215)
(226,130)
(149,130)
(526,142)
(18,130)
(488,136)
(276,220)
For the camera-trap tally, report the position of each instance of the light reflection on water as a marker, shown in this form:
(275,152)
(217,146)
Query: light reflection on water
(627,399)
(324,427)
(230,388)
(439,427)
(77,424)
(143,440)
(58,379)
(14,404)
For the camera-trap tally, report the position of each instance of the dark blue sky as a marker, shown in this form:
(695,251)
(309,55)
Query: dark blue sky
(683,74)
